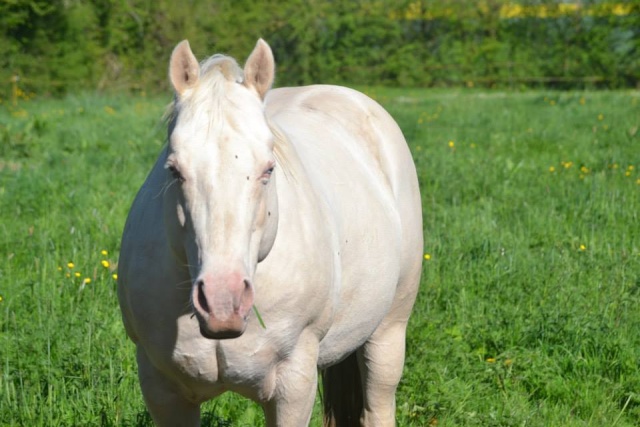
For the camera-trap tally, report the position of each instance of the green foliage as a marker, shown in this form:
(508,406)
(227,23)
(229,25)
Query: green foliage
(60,46)
(527,312)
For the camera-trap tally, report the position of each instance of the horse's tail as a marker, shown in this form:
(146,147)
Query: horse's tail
(342,397)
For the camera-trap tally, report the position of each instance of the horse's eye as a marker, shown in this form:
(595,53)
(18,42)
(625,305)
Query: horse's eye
(175,173)
(266,175)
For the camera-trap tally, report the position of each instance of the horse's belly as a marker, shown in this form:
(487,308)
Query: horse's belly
(355,322)
(369,277)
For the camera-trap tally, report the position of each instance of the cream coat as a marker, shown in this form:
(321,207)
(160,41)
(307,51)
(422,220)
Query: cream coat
(327,246)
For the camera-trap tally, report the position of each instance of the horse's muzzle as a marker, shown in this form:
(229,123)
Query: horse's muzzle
(222,305)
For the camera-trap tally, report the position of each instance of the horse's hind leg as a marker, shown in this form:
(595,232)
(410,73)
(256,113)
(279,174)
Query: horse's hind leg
(381,358)
(166,406)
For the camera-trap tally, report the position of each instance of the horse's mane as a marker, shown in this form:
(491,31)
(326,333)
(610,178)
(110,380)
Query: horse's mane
(214,72)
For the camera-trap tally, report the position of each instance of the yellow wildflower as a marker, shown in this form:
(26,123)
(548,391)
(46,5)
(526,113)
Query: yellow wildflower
(491,360)
(105,263)
(70,265)
(1,298)
(115,276)
(583,247)
(451,144)
(104,252)
(600,116)
(77,274)
(552,169)
(427,257)
(87,280)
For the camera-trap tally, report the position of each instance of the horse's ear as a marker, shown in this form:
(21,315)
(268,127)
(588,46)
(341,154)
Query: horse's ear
(259,70)
(183,68)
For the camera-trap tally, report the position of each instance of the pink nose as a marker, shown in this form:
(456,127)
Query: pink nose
(222,304)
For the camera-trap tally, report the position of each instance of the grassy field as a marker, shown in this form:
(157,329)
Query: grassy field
(528,313)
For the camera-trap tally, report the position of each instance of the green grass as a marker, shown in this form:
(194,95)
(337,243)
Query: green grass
(528,310)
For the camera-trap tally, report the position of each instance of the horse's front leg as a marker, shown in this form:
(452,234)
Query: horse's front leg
(295,389)
(165,404)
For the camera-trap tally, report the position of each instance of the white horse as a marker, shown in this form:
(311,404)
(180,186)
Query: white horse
(279,232)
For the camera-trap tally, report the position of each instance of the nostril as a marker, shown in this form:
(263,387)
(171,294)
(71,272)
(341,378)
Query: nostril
(202,300)
(247,284)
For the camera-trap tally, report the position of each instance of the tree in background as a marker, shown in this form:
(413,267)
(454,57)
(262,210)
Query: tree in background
(58,45)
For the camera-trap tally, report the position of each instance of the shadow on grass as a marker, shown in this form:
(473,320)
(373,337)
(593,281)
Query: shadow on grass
(208,419)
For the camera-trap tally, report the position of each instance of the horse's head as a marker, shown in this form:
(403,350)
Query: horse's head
(221,206)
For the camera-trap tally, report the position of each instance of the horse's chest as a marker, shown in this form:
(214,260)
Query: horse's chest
(208,368)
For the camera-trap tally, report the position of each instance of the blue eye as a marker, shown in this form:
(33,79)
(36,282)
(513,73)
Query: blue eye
(266,175)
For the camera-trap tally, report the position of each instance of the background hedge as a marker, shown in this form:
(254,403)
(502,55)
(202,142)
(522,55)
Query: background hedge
(55,46)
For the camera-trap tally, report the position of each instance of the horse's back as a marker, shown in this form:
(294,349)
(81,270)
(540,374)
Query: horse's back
(363,122)
(336,127)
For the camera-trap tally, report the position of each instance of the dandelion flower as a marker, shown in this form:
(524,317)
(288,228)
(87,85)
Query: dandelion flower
(77,274)
(86,280)
(583,247)
(105,263)
(491,360)
(104,252)
(59,268)
(600,116)
(115,276)
(427,257)
(552,169)
(70,265)
(451,144)
(1,298)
